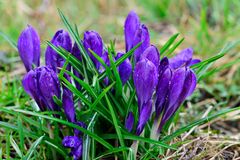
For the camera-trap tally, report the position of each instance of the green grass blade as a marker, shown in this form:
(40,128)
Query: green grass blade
(15,146)
(115,150)
(198,122)
(115,123)
(9,40)
(33,148)
(168,44)
(85,131)
(172,49)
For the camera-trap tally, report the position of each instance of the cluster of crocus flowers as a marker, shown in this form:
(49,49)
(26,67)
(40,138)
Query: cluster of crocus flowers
(170,80)
(161,84)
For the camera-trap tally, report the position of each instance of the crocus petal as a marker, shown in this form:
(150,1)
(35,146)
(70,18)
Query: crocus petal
(191,75)
(177,84)
(183,58)
(53,59)
(145,79)
(131,25)
(124,69)
(77,152)
(141,35)
(129,122)
(71,141)
(68,105)
(194,61)
(76,52)
(49,86)
(144,116)
(152,54)
(163,90)
(30,85)
(93,41)
(29,47)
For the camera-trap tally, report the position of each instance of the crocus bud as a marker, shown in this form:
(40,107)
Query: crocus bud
(152,54)
(141,35)
(165,75)
(29,47)
(93,41)
(182,85)
(124,69)
(131,25)
(76,52)
(145,79)
(52,58)
(184,58)
(42,84)
(129,122)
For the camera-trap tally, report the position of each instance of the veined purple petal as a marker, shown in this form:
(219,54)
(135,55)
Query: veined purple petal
(191,75)
(93,41)
(162,90)
(30,85)
(177,84)
(124,69)
(29,47)
(144,116)
(145,79)
(49,86)
(152,54)
(53,59)
(131,25)
(141,35)
(71,141)
(181,59)
(129,122)
(68,105)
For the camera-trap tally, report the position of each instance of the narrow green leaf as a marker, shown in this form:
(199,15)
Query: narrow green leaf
(172,49)
(115,150)
(10,41)
(15,146)
(33,148)
(168,44)
(198,122)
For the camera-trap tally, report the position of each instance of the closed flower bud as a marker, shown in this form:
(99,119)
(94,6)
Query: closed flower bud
(131,25)
(145,79)
(29,47)
(93,41)
(42,84)
(152,54)
(52,58)
(75,144)
(124,69)
(141,35)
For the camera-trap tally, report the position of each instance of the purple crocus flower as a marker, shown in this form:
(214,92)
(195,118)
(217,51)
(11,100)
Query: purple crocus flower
(141,35)
(174,86)
(129,122)
(124,69)
(53,59)
(42,84)
(131,25)
(145,78)
(68,105)
(29,47)
(152,54)
(93,41)
(184,58)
